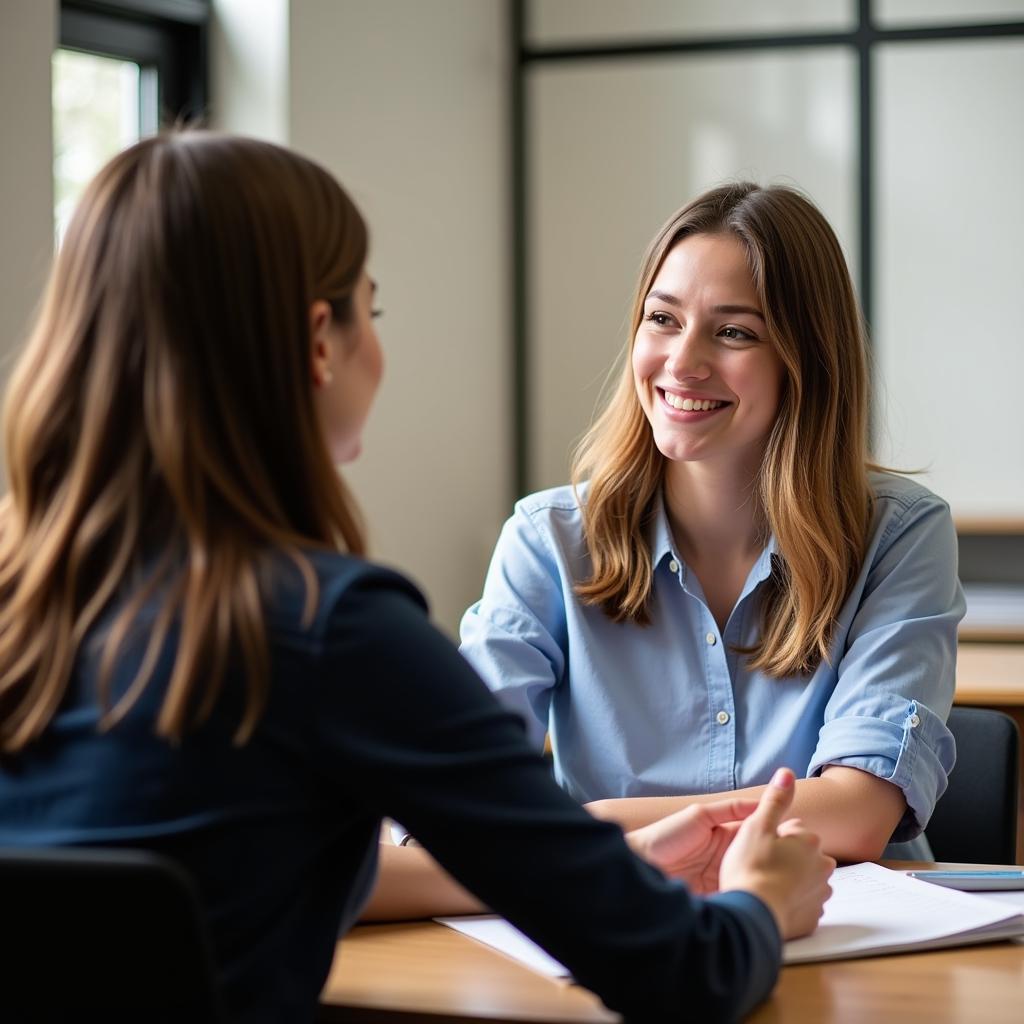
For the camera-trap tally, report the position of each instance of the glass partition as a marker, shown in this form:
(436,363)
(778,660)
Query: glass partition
(554,22)
(949,336)
(891,13)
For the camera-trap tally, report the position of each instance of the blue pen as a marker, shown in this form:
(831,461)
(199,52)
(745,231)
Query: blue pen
(974,880)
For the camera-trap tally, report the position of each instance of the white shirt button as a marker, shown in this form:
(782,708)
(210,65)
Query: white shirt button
(673,566)
(711,639)
(915,721)
(722,717)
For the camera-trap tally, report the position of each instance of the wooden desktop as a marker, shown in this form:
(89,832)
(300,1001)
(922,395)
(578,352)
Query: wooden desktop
(990,675)
(401,973)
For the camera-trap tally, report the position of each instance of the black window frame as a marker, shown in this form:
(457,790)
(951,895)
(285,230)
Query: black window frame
(168,36)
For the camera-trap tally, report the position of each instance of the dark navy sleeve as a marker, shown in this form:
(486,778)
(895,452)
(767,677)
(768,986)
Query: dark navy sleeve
(405,728)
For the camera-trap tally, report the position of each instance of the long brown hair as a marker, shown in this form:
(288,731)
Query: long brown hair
(160,430)
(813,487)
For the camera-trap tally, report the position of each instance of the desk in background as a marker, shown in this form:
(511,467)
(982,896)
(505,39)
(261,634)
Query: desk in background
(991,557)
(990,675)
(401,973)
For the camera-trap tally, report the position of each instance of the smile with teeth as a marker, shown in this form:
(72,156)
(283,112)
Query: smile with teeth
(691,404)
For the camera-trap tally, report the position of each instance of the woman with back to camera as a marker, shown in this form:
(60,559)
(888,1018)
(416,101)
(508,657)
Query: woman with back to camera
(195,658)
(731,585)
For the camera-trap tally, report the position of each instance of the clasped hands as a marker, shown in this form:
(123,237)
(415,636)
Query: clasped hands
(749,845)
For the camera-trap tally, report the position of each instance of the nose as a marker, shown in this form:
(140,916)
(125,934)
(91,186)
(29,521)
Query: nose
(688,358)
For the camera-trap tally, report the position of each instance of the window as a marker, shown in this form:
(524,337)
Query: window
(97,106)
(124,68)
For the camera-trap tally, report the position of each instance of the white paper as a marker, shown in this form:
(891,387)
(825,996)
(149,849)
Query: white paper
(1008,897)
(872,910)
(497,933)
(875,910)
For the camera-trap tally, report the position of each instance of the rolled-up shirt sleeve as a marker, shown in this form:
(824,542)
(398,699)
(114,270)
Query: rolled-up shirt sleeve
(897,667)
(515,635)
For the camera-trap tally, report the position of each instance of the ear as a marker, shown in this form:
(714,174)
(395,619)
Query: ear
(319,344)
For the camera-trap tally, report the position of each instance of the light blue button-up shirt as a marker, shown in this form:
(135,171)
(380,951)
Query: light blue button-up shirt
(672,709)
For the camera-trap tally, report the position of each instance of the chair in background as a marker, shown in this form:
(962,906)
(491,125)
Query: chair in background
(975,821)
(112,935)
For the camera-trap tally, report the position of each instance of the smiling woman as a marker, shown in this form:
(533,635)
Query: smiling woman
(707,377)
(731,585)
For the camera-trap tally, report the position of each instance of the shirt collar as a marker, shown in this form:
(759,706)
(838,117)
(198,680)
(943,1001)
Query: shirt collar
(662,546)
(661,535)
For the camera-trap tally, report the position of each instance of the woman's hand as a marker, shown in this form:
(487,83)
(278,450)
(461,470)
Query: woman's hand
(780,861)
(689,845)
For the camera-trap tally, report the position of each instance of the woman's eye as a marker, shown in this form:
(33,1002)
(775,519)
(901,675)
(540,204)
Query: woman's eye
(659,319)
(736,334)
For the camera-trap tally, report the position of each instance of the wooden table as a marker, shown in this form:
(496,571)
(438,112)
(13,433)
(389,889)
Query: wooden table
(990,675)
(422,971)
(973,985)
(400,973)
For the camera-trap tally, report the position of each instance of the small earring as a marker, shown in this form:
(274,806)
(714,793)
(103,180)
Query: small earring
(327,378)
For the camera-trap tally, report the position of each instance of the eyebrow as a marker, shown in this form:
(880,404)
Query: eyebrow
(669,298)
(739,309)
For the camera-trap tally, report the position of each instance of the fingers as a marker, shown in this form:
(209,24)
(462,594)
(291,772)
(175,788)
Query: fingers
(793,831)
(719,814)
(659,838)
(775,801)
(791,827)
(813,890)
(807,918)
(795,828)
(723,811)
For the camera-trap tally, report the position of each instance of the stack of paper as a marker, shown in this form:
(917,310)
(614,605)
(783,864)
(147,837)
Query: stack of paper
(872,910)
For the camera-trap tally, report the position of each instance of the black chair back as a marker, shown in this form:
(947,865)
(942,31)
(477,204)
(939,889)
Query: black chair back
(101,934)
(975,821)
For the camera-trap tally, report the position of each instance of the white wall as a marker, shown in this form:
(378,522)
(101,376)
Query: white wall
(406,103)
(249,68)
(28,30)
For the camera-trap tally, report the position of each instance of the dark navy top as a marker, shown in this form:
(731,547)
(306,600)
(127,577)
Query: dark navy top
(371,713)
